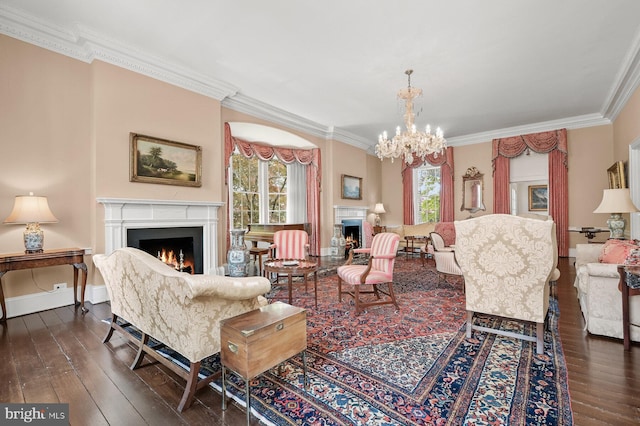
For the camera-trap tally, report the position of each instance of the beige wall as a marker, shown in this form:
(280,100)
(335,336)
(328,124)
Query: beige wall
(626,128)
(478,156)
(45,132)
(590,155)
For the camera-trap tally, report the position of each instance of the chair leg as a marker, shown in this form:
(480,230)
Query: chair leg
(339,289)
(540,338)
(392,295)
(469,323)
(375,291)
(356,294)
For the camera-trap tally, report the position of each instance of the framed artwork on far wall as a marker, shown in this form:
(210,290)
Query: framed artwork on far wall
(155,160)
(351,187)
(538,198)
(616,176)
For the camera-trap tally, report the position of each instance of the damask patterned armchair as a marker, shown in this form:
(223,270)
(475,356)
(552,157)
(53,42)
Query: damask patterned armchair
(507,262)
(179,310)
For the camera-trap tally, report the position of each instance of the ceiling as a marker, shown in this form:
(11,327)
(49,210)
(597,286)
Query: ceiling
(487,68)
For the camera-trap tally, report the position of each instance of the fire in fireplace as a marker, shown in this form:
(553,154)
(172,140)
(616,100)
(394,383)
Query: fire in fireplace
(352,231)
(179,247)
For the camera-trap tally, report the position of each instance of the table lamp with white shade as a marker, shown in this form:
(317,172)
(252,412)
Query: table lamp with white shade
(378,210)
(32,211)
(616,202)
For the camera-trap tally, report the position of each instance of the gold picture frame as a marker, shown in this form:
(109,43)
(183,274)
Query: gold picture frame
(616,176)
(351,187)
(155,160)
(538,198)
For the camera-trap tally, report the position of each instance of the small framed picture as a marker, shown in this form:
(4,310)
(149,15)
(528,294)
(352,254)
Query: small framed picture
(351,187)
(155,160)
(616,176)
(538,198)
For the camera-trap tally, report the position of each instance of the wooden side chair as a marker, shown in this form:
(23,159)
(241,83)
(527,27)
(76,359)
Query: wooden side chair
(379,270)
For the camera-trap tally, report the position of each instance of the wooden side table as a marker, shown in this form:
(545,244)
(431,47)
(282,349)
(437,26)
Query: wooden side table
(379,229)
(253,342)
(67,256)
(626,293)
(294,268)
(411,240)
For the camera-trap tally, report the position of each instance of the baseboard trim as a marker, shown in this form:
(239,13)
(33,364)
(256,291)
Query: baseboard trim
(37,302)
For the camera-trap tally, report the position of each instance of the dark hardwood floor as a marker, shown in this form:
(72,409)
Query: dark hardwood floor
(57,356)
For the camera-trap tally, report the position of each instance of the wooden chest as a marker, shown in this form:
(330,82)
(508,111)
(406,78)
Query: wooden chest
(260,339)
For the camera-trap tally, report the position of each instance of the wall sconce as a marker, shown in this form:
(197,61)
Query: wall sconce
(378,210)
(616,202)
(33,211)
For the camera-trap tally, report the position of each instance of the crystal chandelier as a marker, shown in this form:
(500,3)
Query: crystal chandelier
(410,142)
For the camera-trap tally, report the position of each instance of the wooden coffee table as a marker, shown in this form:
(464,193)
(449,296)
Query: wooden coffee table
(294,268)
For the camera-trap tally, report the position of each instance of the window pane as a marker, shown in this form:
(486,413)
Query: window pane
(277,191)
(426,195)
(246,197)
(254,184)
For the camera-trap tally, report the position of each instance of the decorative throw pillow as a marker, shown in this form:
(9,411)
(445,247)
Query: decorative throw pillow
(617,251)
(633,280)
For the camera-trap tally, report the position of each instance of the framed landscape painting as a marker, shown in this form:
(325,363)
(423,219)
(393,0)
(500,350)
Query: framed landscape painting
(538,198)
(351,187)
(155,160)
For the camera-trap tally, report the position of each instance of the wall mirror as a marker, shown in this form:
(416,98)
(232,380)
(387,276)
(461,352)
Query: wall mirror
(472,191)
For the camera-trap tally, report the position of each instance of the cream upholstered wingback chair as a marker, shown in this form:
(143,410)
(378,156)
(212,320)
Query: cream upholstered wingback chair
(507,262)
(444,256)
(379,270)
(179,310)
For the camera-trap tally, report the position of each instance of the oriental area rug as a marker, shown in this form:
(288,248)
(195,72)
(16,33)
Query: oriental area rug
(414,366)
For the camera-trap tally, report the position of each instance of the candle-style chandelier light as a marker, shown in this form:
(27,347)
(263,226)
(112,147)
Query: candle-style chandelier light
(410,142)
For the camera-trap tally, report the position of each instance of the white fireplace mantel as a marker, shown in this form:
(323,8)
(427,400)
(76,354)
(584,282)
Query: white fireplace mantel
(121,214)
(349,212)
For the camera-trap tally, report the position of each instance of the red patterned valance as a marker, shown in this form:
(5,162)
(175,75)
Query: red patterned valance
(542,142)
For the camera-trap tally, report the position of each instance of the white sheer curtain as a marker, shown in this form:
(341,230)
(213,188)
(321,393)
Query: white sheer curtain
(296,193)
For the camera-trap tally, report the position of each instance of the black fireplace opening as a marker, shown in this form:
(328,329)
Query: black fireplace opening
(352,231)
(179,247)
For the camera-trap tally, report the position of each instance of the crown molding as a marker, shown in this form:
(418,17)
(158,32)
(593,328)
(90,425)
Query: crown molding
(259,109)
(86,46)
(21,26)
(626,83)
(577,122)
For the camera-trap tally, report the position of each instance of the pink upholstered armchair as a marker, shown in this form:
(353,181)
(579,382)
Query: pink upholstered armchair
(290,244)
(379,270)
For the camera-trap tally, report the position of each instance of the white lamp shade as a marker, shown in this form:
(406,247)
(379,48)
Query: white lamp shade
(616,201)
(31,209)
(379,208)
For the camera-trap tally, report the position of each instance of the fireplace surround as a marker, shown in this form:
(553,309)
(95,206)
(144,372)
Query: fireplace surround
(123,214)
